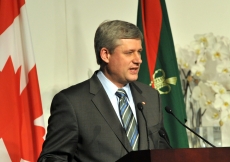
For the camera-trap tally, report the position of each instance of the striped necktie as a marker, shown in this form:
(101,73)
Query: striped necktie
(128,120)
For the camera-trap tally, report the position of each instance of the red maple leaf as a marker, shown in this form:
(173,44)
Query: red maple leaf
(17,114)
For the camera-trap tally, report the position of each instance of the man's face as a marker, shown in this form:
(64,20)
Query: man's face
(124,63)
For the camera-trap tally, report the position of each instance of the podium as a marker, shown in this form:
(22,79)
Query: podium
(221,154)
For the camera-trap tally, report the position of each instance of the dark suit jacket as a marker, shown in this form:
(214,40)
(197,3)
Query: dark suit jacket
(83,125)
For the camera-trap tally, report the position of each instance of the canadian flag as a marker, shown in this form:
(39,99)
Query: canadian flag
(21,117)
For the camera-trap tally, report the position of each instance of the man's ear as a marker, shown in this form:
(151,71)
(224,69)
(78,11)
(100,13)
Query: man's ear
(104,53)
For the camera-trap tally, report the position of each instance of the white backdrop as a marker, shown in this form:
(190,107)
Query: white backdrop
(63,32)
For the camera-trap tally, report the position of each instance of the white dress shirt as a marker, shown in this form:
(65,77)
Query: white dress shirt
(111,89)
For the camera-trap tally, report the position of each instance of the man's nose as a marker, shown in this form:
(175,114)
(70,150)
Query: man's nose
(137,58)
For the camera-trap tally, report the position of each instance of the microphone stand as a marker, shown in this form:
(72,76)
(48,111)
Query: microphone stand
(168,110)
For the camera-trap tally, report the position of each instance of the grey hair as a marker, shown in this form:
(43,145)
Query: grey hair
(109,32)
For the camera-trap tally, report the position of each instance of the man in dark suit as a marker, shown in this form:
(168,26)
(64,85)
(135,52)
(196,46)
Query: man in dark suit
(86,123)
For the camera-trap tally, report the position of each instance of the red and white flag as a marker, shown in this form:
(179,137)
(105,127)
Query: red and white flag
(21,117)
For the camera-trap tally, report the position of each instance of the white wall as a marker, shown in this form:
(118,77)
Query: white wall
(198,17)
(63,32)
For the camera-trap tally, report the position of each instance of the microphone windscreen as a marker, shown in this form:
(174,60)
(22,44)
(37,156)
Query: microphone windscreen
(161,133)
(168,110)
(140,106)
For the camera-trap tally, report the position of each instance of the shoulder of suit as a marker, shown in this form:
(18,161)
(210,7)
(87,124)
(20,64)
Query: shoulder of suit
(142,86)
(82,86)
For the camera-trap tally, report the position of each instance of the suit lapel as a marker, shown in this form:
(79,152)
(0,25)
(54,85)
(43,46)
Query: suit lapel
(106,109)
(138,97)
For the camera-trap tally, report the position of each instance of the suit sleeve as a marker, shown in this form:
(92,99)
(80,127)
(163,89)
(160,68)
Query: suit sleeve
(62,132)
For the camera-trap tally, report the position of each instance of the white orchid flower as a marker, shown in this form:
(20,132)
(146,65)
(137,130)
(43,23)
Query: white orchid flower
(206,39)
(185,58)
(202,59)
(197,93)
(213,114)
(204,94)
(217,87)
(224,117)
(197,70)
(222,101)
(219,51)
(197,48)
(223,67)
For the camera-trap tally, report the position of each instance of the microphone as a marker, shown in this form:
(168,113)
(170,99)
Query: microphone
(164,136)
(168,110)
(140,107)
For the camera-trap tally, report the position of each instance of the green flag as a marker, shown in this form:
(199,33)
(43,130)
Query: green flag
(159,67)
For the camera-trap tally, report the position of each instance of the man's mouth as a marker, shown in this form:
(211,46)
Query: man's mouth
(134,70)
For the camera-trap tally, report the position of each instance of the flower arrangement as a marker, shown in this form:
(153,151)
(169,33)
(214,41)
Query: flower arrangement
(204,67)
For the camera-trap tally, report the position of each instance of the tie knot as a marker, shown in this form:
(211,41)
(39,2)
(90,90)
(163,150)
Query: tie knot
(121,93)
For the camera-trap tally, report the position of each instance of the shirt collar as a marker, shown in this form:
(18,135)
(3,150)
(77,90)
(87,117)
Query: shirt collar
(109,87)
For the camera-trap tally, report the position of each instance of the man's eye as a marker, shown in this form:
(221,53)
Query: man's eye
(129,52)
